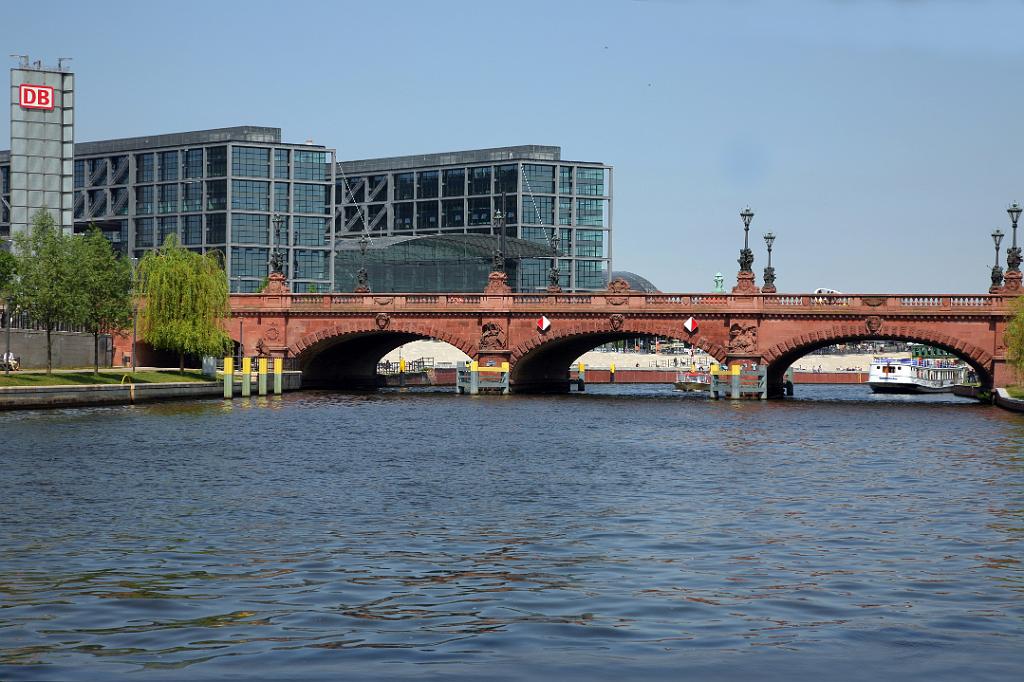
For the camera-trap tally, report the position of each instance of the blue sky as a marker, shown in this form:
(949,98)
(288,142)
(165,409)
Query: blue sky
(881,141)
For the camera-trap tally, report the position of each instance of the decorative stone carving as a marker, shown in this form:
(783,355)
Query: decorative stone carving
(491,337)
(362,282)
(618,287)
(261,348)
(616,321)
(276,262)
(383,300)
(746,260)
(873,301)
(276,284)
(873,323)
(497,283)
(742,337)
(273,333)
(382,320)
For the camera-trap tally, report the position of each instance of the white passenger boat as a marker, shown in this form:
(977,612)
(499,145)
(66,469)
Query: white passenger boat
(917,375)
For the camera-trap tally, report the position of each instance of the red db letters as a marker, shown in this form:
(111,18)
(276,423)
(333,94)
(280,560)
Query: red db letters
(35,96)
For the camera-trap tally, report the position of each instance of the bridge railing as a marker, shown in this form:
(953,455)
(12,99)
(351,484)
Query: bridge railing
(618,301)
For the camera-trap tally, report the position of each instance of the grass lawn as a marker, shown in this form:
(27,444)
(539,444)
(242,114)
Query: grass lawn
(1016,392)
(86,377)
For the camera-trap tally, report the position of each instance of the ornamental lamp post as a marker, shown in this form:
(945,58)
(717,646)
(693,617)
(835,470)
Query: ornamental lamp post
(997,272)
(1013,257)
(769,271)
(746,255)
(362,276)
(276,262)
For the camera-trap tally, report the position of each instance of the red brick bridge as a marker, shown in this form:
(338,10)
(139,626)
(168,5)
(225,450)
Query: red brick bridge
(337,339)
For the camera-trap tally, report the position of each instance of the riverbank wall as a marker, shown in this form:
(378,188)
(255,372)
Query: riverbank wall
(1002,399)
(36,397)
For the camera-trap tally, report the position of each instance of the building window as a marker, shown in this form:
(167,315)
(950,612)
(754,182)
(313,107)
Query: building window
(192,196)
(377,188)
(216,228)
(281,164)
(403,216)
(590,181)
(539,235)
(590,274)
(79,175)
(281,197)
(251,162)
(310,264)
(590,243)
(192,230)
(452,213)
(97,170)
(480,211)
(249,228)
(216,162)
(354,219)
(311,165)
(454,181)
(591,212)
(404,186)
(168,199)
(144,199)
(565,180)
(510,210)
(426,215)
(506,179)
(250,195)
(145,170)
(248,262)
(144,233)
(564,211)
(539,210)
(119,200)
(216,195)
(480,180)
(307,231)
(426,185)
(375,216)
(168,227)
(353,190)
(192,163)
(311,198)
(538,178)
(168,165)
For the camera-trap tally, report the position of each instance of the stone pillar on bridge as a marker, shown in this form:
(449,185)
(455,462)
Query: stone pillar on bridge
(745,283)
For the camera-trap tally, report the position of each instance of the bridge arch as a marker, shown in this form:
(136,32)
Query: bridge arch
(542,363)
(345,355)
(781,356)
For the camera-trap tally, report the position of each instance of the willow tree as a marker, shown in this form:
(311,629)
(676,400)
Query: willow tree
(184,302)
(107,288)
(1015,337)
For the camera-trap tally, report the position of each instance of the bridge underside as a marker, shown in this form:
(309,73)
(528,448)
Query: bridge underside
(350,362)
(546,369)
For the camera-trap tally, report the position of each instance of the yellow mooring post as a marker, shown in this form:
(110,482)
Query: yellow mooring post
(278,364)
(474,377)
(261,365)
(229,378)
(611,373)
(246,377)
(401,371)
(581,377)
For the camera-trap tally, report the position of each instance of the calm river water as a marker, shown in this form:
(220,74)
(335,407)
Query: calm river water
(625,533)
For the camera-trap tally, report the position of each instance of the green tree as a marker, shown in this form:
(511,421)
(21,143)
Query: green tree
(107,288)
(1015,337)
(186,301)
(8,268)
(49,286)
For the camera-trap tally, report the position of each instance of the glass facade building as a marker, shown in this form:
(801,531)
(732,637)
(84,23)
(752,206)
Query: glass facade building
(219,190)
(215,190)
(544,199)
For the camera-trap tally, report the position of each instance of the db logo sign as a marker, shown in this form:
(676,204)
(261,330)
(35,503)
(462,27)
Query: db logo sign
(35,96)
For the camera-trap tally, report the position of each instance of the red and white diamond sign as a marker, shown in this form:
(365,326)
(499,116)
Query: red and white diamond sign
(690,325)
(543,323)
